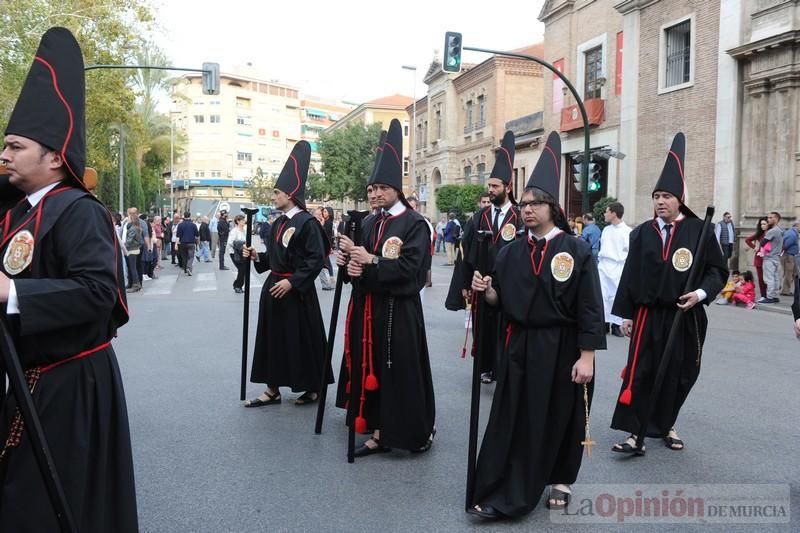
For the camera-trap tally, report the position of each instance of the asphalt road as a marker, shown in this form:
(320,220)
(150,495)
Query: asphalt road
(206,464)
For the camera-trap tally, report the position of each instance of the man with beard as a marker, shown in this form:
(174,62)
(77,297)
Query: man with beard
(651,291)
(385,327)
(62,293)
(290,341)
(547,288)
(500,223)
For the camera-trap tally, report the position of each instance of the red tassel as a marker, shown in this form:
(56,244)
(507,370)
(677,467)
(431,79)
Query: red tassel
(361,424)
(347,388)
(623,373)
(625,397)
(371,383)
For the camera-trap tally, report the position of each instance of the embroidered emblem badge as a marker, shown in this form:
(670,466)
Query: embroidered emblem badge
(508,232)
(287,236)
(391,248)
(682,259)
(19,253)
(562,266)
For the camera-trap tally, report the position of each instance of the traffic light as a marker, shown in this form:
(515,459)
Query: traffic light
(211,78)
(594,177)
(452,52)
(594,183)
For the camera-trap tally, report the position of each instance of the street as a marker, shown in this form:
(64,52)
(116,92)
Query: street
(206,464)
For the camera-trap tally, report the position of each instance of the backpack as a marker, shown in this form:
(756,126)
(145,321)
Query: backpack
(456,231)
(133,237)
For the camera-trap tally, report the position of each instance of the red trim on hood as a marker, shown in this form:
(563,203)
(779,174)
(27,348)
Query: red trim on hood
(69,114)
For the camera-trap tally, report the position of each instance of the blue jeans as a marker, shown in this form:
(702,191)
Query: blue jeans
(204,252)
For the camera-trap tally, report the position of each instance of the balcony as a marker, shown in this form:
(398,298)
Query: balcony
(571,116)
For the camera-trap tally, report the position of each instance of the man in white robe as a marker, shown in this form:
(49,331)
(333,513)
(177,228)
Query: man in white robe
(614,243)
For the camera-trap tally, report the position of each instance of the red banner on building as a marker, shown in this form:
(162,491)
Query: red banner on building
(571,116)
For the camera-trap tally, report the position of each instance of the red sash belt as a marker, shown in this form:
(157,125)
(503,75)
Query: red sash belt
(282,274)
(17,428)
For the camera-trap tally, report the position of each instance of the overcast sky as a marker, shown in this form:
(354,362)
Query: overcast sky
(339,49)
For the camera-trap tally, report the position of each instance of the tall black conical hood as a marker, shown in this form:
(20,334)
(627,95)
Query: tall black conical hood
(390,165)
(292,179)
(378,154)
(504,159)
(546,174)
(672,178)
(51,106)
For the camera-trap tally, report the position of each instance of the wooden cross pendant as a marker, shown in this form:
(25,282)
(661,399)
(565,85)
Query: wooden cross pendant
(588,443)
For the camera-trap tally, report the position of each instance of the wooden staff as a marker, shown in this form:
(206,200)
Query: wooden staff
(249,212)
(30,417)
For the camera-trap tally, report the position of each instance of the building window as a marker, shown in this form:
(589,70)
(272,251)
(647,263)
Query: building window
(481,170)
(418,140)
(199,174)
(677,54)
(243,103)
(405,130)
(214,119)
(468,174)
(593,72)
(216,173)
(276,134)
(481,111)
(425,133)
(199,119)
(405,166)
(244,156)
(468,120)
(439,123)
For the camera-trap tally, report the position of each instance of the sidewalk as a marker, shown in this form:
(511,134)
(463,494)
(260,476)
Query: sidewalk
(784,306)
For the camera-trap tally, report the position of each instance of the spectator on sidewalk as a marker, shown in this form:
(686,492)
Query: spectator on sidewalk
(236,242)
(133,241)
(772,277)
(440,234)
(176,256)
(745,292)
(223,229)
(591,234)
(788,259)
(212,227)
(452,233)
(726,235)
(157,229)
(754,242)
(726,296)
(204,254)
(188,237)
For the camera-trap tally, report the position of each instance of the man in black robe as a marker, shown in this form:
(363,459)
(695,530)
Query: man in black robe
(290,341)
(547,288)
(62,292)
(796,307)
(651,291)
(386,349)
(500,223)
(457,298)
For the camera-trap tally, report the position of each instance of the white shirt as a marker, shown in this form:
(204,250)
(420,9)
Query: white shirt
(292,212)
(12,306)
(503,212)
(547,236)
(397,209)
(701,294)
(614,242)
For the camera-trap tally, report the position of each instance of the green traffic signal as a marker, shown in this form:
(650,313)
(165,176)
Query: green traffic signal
(452,52)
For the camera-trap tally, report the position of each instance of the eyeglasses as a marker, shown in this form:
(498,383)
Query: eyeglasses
(532,203)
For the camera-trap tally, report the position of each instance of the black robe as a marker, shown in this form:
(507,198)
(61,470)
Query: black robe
(486,317)
(648,293)
(796,303)
(537,421)
(290,342)
(403,406)
(455,300)
(71,301)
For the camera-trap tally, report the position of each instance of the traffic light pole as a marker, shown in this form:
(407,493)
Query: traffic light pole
(586,146)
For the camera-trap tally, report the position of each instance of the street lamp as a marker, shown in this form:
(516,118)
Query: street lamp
(413,122)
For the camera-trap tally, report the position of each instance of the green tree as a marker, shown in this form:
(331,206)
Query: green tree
(600,208)
(458,199)
(109,32)
(260,188)
(347,157)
